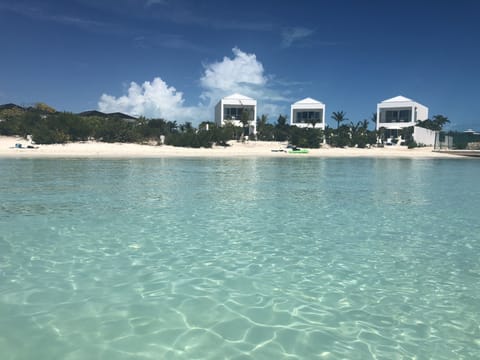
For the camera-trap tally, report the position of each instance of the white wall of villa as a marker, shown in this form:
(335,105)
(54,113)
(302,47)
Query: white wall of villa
(230,109)
(400,112)
(303,112)
(424,136)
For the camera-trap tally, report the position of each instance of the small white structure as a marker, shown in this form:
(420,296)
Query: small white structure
(424,136)
(397,113)
(306,112)
(234,109)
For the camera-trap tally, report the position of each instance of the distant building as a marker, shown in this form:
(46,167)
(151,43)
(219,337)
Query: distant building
(398,113)
(114,115)
(235,108)
(307,113)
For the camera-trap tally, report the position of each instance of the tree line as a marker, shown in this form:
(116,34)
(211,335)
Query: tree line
(47,126)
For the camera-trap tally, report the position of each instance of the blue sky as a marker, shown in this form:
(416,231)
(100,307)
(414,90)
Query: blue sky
(176,58)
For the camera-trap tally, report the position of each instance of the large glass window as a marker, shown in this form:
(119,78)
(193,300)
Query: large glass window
(405,115)
(307,116)
(391,116)
(396,115)
(235,113)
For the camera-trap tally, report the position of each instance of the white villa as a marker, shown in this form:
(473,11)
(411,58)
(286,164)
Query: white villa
(397,113)
(304,112)
(234,108)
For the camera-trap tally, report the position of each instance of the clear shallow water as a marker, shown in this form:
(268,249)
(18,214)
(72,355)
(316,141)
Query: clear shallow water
(239,259)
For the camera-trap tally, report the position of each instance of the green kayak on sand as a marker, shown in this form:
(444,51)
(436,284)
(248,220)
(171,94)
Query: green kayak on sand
(298,151)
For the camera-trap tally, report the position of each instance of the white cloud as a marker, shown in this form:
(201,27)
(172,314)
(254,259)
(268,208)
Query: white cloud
(272,110)
(151,99)
(242,73)
(291,35)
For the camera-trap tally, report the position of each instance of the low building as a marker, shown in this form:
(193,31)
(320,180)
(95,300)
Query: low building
(237,109)
(398,113)
(308,113)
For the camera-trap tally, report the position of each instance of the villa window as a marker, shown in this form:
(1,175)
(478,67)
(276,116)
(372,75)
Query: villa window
(235,113)
(308,116)
(396,115)
(405,115)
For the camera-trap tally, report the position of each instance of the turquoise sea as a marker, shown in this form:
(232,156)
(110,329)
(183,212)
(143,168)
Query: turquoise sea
(291,258)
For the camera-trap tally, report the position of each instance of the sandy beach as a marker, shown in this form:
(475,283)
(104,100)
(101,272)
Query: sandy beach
(93,149)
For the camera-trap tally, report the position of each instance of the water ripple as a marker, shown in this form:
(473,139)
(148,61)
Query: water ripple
(239,259)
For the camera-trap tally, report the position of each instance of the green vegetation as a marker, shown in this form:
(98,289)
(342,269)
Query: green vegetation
(47,126)
(351,135)
(436,123)
(339,116)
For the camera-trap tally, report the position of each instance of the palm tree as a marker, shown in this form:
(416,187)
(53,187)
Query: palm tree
(359,133)
(313,121)
(436,124)
(262,121)
(187,127)
(440,121)
(172,126)
(281,121)
(281,128)
(364,124)
(339,116)
(381,134)
(245,120)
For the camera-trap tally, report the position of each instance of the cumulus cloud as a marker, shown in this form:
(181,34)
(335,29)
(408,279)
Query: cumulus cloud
(273,111)
(294,34)
(151,99)
(243,73)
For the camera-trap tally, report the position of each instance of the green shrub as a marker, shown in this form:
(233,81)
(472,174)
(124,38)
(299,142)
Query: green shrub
(412,144)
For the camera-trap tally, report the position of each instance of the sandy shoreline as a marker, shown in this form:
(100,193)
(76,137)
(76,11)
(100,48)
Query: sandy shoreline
(250,149)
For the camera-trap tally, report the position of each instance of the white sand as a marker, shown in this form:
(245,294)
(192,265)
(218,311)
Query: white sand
(93,149)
